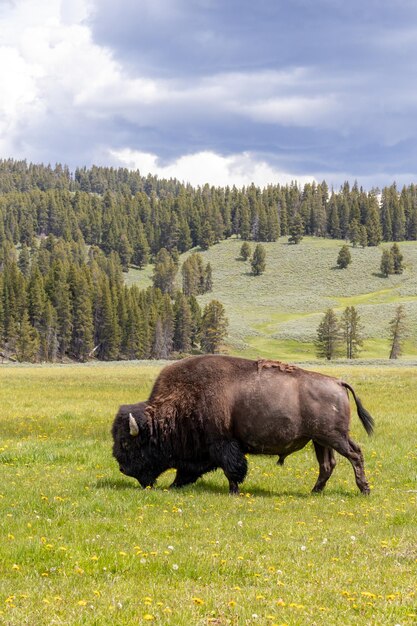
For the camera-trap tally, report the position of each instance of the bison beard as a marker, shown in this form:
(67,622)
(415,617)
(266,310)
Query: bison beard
(207,412)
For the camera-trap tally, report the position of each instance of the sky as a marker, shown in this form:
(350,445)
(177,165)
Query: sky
(219,91)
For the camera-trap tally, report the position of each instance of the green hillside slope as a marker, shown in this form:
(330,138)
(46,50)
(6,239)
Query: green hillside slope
(277,314)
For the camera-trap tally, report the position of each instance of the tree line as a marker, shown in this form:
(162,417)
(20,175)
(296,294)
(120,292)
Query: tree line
(61,300)
(119,210)
(344,337)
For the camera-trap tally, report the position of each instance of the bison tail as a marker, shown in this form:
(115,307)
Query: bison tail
(365,417)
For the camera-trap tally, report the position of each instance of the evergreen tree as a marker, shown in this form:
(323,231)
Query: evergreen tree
(351,330)
(397,331)
(125,252)
(373,224)
(24,260)
(208,279)
(328,336)
(49,333)
(207,235)
(214,325)
(363,236)
(183,324)
(164,272)
(82,316)
(258,261)
(196,316)
(107,332)
(36,298)
(387,265)
(296,230)
(344,257)
(245,251)
(140,256)
(397,259)
(193,275)
(27,343)
(354,232)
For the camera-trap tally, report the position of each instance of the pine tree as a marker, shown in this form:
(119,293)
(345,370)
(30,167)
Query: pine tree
(344,257)
(36,298)
(213,326)
(82,315)
(207,237)
(208,279)
(397,259)
(397,331)
(125,252)
(373,224)
(328,336)
(354,232)
(140,256)
(107,332)
(245,251)
(351,330)
(164,272)
(363,236)
(183,324)
(48,332)
(387,265)
(24,260)
(258,261)
(27,343)
(196,316)
(296,230)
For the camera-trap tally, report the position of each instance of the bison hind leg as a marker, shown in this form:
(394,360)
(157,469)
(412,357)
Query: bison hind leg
(229,456)
(327,463)
(281,459)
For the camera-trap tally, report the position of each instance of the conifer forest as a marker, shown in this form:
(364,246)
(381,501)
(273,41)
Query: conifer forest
(67,240)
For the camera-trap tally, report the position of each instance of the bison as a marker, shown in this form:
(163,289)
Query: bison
(208,412)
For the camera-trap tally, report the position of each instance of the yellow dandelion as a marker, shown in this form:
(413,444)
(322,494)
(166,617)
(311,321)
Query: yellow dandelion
(82,602)
(16,567)
(232,603)
(148,617)
(198,601)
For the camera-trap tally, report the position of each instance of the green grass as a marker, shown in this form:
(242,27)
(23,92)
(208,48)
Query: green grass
(277,313)
(83,545)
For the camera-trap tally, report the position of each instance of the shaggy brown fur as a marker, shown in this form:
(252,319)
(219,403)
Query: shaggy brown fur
(209,411)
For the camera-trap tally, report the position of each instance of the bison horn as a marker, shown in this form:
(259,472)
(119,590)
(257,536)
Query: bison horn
(133,426)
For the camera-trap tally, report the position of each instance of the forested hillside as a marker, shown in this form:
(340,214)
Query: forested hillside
(66,239)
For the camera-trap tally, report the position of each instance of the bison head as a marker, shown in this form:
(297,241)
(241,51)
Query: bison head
(134,447)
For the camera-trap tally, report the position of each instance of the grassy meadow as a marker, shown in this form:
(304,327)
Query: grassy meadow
(82,544)
(277,313)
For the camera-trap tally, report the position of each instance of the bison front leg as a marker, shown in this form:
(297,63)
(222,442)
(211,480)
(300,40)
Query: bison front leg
(327,463)
(229,456)
(189,475)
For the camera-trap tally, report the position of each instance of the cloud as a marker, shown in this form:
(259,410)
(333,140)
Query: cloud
(208,167)
(231,89)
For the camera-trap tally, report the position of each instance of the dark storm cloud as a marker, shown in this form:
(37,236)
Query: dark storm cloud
(180,37)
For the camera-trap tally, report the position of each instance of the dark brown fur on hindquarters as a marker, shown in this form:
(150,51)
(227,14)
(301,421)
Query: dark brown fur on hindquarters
(209,411)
